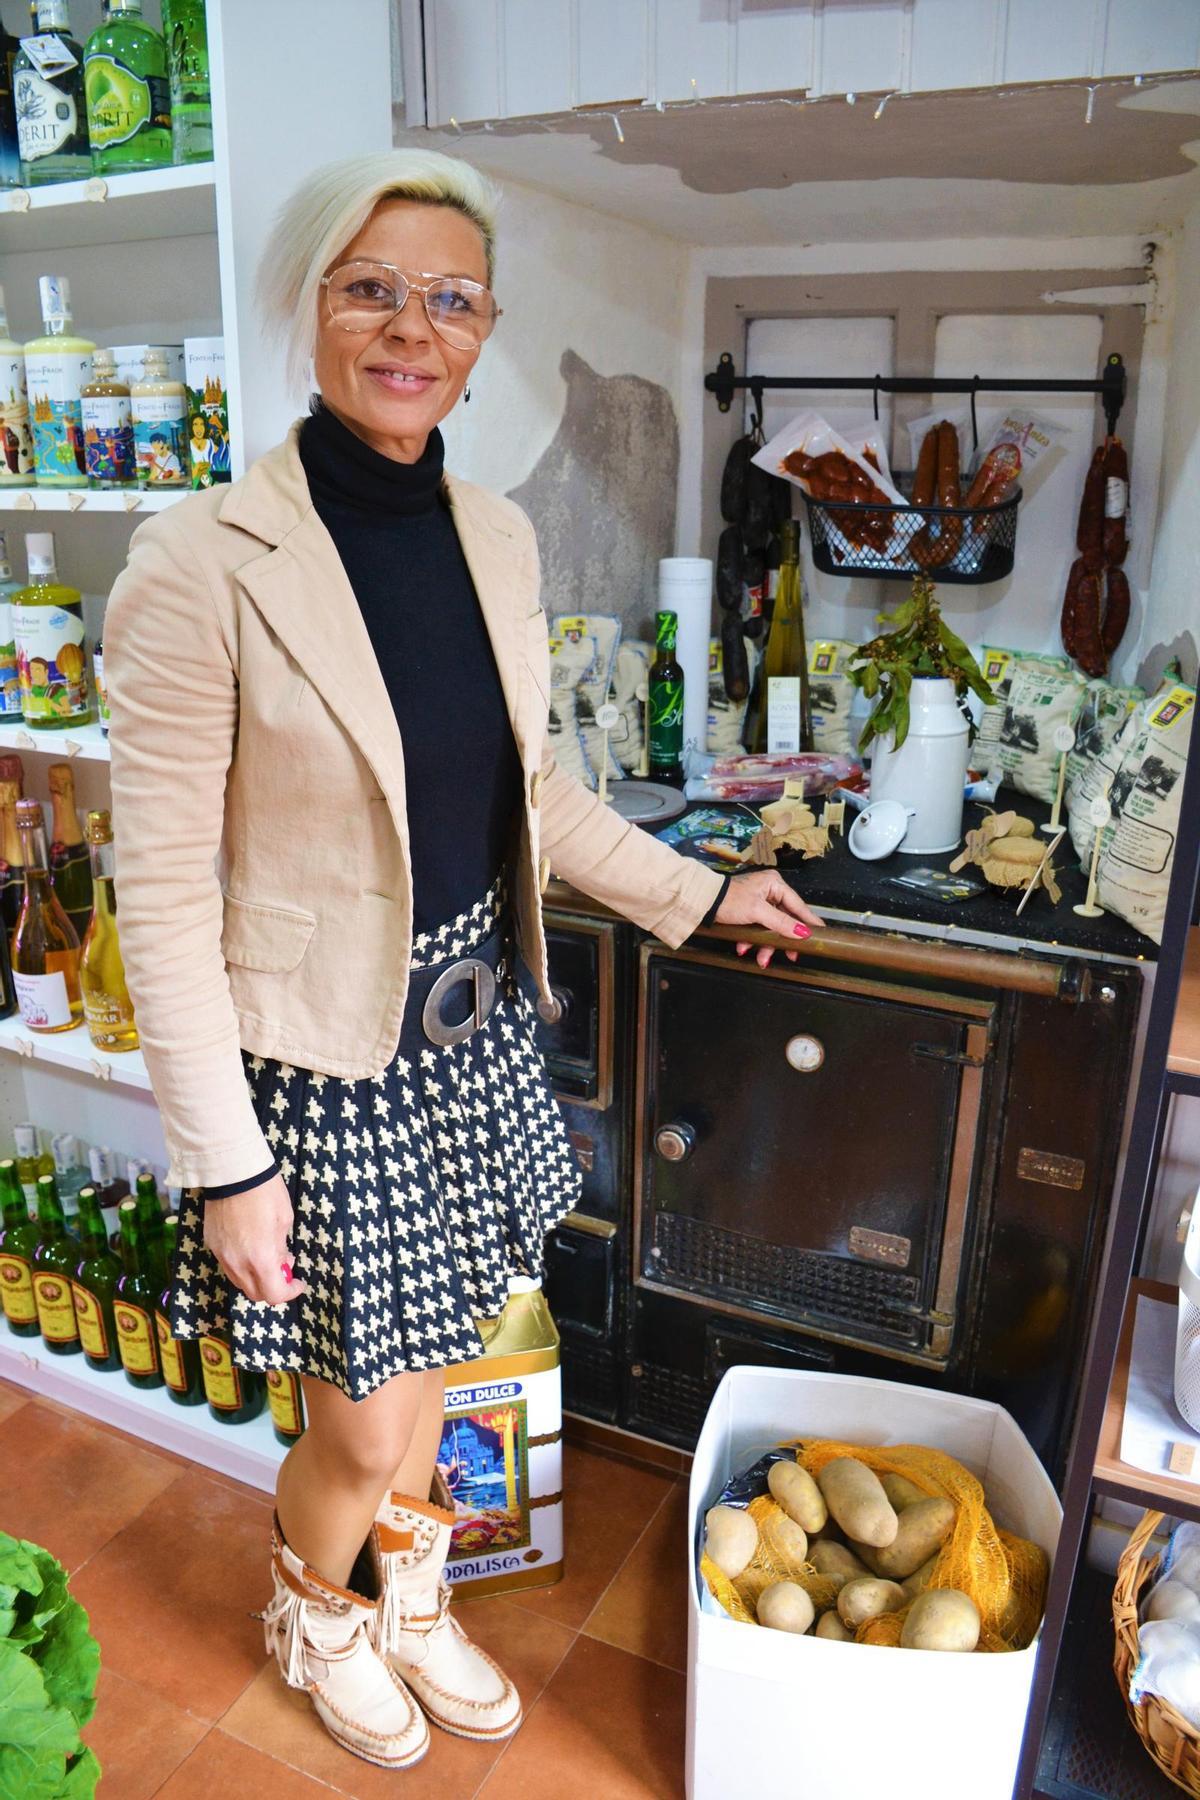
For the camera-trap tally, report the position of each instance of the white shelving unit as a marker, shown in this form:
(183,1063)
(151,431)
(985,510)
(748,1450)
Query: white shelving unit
(153,258)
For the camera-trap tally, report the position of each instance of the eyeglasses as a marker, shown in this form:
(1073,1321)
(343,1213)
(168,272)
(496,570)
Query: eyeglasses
(362,296)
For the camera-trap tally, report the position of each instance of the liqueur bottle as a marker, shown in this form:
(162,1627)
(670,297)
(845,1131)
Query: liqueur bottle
(50,102)
(234,1394)
(286,1402)
(101,690)
(31,1161)
(56,367)
(128,94)
(51,653)
(70,859)
(10,145)
(107,417)
(10,681)
(160,424)
(186,32)
(12,867)
(45,948)
(133,1306)
(18,1238)
(152,1230)
(666,702)
(69,1174)
(94,1286)
(54,1257)
(106,1003)
(111,1188)
(16,437)
(785,654)
(179,1358)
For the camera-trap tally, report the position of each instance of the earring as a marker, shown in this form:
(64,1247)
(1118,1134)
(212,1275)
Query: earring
(467,392)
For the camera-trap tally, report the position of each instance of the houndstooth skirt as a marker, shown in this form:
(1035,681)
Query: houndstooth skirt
(416,1193)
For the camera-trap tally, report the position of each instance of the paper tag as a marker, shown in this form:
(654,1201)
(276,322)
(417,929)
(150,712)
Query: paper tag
(1063,738)
(783,713)
(1171,706)
(1116,497)
(48,54)
(1182,1458)
(607,716)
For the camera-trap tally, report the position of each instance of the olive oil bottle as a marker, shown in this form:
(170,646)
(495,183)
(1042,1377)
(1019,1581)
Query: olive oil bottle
(134,1302)
(18,1238)
(179,1358)
(95,1285)
(106,1003)
(54,1259)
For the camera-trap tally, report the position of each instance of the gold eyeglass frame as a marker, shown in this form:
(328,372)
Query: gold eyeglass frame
(422,287)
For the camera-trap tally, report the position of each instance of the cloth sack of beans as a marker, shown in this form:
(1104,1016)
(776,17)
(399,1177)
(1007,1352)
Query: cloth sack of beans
(1135,863)
(726,717)
(603,634)
(569,662)
(631,673)
(1043,692)
(831,695)
(1105,709)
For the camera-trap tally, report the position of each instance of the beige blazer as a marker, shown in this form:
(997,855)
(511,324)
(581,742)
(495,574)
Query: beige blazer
(263,878)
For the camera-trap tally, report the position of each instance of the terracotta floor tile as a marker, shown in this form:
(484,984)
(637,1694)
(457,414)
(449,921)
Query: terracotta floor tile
(170,1596)
(610,1726)
(69,1484)
(645,1608)
(280,1720)
(12,1399)
(220,1765)
(608,1504)
(139,1738)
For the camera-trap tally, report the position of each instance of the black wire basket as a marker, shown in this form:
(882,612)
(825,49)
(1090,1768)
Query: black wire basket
(957,544)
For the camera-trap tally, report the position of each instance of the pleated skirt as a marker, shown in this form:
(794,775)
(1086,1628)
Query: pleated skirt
(416,1193)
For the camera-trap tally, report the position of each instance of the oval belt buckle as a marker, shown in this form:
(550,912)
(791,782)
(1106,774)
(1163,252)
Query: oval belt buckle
(472,969)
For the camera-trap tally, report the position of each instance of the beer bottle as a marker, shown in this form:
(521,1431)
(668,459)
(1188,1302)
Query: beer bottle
(179,1358)
(233,1393)
(94,1286)
(286,1403)
(17,1240)
(133,1306)
(54,1259)
(152,1230)
(666,703)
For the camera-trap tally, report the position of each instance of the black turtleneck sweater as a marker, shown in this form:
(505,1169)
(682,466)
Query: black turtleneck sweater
(393,529)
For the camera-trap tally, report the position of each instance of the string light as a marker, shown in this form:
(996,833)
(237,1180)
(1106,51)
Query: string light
(851,99)
(883,103)
(1087,117)
(617,127)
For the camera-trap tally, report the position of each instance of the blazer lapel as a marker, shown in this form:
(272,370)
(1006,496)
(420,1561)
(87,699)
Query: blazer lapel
(490,551)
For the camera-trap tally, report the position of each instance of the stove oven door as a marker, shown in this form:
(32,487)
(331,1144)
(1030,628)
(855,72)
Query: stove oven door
(807,1146)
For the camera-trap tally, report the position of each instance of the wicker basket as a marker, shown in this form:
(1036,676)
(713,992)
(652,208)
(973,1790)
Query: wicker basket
(1171,1741)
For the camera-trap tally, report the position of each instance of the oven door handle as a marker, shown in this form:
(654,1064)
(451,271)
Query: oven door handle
(961,1058)
(923,1315)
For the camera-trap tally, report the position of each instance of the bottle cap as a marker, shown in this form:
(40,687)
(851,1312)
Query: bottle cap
(29,812)
(26,1139)
(99,1163)
(103,361)
(39,552)
(64,1150)
(155,362)
(99,827)
(54,291)
(12,769)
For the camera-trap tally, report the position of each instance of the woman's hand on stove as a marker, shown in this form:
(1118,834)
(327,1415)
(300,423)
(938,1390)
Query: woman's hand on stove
(248,1235)
(764,898)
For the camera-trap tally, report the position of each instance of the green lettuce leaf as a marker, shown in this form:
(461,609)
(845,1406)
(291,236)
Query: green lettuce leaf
(80,1783)
(70,1663)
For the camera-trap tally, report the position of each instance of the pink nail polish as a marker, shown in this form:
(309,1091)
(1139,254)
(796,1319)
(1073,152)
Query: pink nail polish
(801,931)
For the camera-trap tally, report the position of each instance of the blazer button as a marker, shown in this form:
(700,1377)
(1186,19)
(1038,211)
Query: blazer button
(535,788)
(543,874)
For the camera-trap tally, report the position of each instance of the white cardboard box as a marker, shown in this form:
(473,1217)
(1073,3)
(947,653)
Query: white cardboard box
(771,1715)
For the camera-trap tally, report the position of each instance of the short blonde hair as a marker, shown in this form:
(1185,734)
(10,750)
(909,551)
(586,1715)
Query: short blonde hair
(332,207)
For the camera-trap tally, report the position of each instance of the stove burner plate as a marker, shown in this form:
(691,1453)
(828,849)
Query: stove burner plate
(646,802)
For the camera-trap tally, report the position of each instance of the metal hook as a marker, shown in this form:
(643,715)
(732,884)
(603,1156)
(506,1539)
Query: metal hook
(875,394)
(974,420)
(756,395)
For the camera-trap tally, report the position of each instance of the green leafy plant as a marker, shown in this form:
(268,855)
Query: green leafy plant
(49,1662)
(920,644)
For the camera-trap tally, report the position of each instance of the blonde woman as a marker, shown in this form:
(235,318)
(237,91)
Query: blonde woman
(334,806)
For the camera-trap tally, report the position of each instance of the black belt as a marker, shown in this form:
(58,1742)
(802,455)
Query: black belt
(470,985)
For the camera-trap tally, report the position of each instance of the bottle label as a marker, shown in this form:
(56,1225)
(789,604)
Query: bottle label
(43,999)
(136,1338)
(283,1397)
(170,1356)
(159,428)
(54,380)
(16,439)
(48,54)
(92,1334)
(222,1386)
(47,116)
(101,690)
(1116,497)
(55,1308)
(208,422)
(10,681)
(51,661)
(121,103)
(666,722)
(16,1289)
(108,447)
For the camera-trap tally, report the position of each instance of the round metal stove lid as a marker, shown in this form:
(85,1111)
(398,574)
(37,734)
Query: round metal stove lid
(646,802)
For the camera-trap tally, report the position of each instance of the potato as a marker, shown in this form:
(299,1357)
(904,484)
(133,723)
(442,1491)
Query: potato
(919,1580)
(730,1538)
(829,1625)
(835,1561)
(941,1619)
(787,1539)
(798,1494)
(784,1606)
(923,1529)
(866,1598)
(900,1491)
(856,1499)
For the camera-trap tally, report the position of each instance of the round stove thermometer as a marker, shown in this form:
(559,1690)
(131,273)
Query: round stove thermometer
(805,1053)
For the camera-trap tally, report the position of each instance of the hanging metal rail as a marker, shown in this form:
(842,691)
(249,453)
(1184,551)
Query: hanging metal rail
(1111,386)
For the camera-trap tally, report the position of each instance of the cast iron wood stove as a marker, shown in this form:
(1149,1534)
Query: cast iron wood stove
(894,1157)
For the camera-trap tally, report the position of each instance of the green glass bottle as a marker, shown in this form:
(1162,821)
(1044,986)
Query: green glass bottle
(152,1229)
(186,32)
(234,1394)
(178,1357)
(49,98)
(286,1401)
(54,1257)
(666,702)
(94,1286)
(18,1238)
(134,1304)
(128,95)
